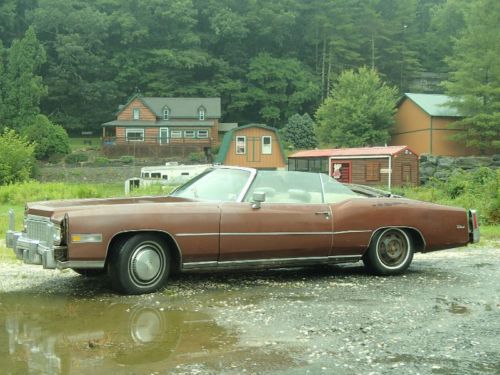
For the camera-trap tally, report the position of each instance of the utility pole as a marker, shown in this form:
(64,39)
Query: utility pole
(373,51)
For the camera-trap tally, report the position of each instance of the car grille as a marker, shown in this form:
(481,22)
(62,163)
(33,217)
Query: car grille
(39,228)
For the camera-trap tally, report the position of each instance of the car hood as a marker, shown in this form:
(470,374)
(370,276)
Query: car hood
(57,209)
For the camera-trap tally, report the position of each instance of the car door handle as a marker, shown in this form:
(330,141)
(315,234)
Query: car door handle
(326,213)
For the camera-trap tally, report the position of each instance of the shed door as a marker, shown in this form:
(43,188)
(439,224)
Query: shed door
(341,170)
(406,174)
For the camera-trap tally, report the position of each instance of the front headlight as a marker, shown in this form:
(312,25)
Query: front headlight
(57,235)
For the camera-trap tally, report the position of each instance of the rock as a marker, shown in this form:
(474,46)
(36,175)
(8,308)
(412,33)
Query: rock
(445,162)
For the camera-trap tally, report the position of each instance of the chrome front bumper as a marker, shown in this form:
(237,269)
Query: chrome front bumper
(32,251)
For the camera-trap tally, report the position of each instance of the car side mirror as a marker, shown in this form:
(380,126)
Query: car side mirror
(257,198)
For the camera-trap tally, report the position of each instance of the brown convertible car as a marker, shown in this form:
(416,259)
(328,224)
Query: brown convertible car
(235,218)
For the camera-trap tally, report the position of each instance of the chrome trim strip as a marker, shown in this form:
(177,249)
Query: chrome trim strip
(80,264)
(246,187)
(195,234)
(276,233)
(353,231)
(270,263)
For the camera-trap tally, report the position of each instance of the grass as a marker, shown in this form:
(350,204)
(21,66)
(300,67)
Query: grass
(80,143)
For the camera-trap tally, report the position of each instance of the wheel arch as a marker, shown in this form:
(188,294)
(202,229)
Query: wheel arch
(173,246)
(416,237)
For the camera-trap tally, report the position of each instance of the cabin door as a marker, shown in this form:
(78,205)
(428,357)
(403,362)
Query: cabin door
(164,136)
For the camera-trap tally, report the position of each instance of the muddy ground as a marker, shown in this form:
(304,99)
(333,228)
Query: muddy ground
(442,317)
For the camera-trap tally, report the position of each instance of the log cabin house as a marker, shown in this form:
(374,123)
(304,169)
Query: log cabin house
(160,127)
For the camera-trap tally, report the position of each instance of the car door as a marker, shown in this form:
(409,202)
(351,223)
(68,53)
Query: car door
(292,222)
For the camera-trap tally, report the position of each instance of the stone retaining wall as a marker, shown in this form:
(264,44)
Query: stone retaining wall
(441,166)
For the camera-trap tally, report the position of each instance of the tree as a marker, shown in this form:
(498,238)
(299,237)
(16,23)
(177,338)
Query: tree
(16,158)
(474,82)
(299,131)
(23,87)
(359,111)
(278,88)
(49,139)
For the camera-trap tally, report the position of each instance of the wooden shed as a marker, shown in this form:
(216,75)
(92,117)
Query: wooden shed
(376,166)
(255,145)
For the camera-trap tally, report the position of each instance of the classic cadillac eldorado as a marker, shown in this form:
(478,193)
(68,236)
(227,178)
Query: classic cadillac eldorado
(236,218)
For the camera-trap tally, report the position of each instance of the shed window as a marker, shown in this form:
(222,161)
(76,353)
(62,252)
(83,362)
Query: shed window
(136,113)
(166,113)
(266,145)
(373,171)
(134,135)
(189,134)
(201,114)
(241,145)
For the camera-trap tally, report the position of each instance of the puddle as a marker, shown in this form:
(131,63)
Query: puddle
(66,335)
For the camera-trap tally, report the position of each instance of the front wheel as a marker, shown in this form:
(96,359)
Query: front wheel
(139,265)
(390,252)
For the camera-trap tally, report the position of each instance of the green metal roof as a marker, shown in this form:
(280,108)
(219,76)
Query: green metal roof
(228,137)
(179,107)
(435,105)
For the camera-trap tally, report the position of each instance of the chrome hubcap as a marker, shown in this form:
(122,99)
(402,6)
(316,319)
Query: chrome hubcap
(393,248)
(147,263)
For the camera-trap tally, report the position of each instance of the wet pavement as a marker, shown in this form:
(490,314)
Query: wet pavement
(441,317)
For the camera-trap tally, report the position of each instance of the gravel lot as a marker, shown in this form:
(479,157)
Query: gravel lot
(441,317)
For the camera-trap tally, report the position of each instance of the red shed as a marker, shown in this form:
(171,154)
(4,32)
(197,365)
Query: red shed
(390,165)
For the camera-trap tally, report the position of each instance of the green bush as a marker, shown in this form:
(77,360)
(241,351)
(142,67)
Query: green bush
(127,159)
(50,139)
(101,161)
(198,157)
(479,189)
(16,158)
(76,157)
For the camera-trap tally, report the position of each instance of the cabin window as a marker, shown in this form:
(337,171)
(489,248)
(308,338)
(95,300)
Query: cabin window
(201,114)
(373,171)
(241,145)
(202,134)
(176,134)
(155,175)
(266,145)
(136,113)
(135,135)
(166,113)
(165,177)
(189,134)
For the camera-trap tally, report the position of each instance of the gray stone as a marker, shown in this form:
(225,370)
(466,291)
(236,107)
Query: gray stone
(495,157)
(445,162)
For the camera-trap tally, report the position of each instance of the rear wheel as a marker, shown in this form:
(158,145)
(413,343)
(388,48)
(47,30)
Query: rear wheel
(390,252)
(139,265)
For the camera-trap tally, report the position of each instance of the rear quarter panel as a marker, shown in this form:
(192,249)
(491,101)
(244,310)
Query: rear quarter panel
(356,220)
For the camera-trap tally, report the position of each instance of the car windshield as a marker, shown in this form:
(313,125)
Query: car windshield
(221,184)
(298,187)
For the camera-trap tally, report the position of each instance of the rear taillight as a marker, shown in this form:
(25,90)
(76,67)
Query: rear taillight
(474,219)
(473,227)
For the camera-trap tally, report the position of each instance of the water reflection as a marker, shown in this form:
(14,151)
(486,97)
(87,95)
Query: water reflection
(58,335)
